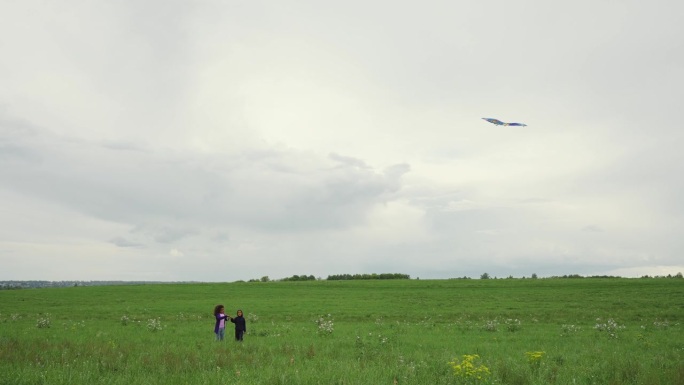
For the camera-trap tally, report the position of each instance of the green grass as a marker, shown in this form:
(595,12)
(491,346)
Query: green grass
(384,332)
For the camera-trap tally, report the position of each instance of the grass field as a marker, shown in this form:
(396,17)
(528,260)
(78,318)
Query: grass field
(510,331)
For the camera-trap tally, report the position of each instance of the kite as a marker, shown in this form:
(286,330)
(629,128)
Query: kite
(500,123)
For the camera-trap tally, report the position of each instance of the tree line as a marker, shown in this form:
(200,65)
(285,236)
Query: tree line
(349,277)
(337,277)
(10,285)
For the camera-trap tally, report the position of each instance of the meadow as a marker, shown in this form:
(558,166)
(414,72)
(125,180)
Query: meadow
(495,331)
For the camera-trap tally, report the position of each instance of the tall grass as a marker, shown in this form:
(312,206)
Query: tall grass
(349,332)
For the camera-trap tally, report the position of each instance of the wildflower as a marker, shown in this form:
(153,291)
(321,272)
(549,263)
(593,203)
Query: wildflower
(325,325)
(468,371)
(570,329)
(512,325)
(491,326)
(154,325)
(534,358)
(610,326)
(43,322)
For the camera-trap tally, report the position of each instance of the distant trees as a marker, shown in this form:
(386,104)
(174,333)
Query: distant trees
(265,278)
(347,277)
(300,278)
(581,276)
(339,277)
(14,285)
(677,276)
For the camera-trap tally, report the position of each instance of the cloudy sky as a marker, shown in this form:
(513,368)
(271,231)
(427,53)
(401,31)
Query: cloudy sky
(227,140)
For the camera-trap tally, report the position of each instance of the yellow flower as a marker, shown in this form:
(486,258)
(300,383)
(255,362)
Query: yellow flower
(466,368)
(534,357)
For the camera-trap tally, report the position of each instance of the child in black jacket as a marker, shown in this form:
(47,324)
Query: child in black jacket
(240,325)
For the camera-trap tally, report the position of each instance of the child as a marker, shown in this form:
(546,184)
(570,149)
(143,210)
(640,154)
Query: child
(240,325)
(221,317)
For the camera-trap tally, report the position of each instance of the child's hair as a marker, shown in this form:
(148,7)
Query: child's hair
(239,311)
(217,309)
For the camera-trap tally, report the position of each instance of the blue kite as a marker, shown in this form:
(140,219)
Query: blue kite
(500,123)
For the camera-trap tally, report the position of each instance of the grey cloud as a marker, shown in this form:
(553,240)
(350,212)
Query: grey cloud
(229,190)
(123,242)
(170,234)
(534,201)
(347,160)
(123,146)
(395,172)
(9,152)
(592,229)
(221,237)
(15,141)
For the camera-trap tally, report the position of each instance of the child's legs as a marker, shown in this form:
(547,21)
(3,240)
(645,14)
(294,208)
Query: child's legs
(221,333)
(238,335)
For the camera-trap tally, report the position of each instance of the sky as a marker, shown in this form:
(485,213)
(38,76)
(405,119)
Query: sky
(231,140)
